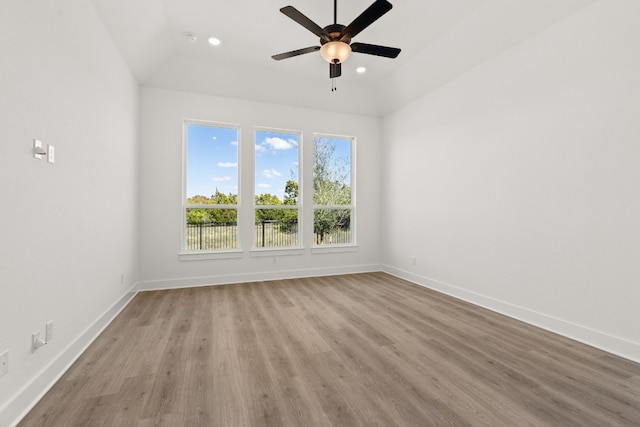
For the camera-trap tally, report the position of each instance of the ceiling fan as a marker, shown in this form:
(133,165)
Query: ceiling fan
(335,39)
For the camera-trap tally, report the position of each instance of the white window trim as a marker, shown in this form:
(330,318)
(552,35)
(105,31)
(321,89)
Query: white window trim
(353,246)
(334,249)
(183,253)
(273,252)
(207,255)
(280,250)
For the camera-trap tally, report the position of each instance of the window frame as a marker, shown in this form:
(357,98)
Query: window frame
(298,249)
(352,245)
(192,255)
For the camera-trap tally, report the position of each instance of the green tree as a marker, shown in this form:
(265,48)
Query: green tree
(267,199)
(289,221)
(223,216)
(224,199)
(197,216)
(331,178)
(216,216)
(198,200)
(291,192)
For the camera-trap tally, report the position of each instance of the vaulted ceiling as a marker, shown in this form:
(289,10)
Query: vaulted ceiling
(440,40)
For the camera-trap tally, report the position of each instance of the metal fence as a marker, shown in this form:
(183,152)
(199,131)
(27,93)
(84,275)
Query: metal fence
(275,234)
(268,234)
(341,236)
(209,236)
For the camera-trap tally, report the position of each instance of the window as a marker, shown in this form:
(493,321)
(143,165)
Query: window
(210,187)
(333,190)
(212,225)
(277,156)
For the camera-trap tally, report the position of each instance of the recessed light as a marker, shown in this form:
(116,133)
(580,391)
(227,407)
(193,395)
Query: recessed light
(361,70)
(214,41)
(191,37)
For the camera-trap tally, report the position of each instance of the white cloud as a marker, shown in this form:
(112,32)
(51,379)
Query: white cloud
(214,137)
(234,143)
(221,178)
(279,143)
(263,185)
(227,165)
(260,148)
(271,173)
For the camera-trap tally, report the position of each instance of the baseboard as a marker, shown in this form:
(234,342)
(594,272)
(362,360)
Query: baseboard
(190,282)
(20,405)
(16,408)
(603,341)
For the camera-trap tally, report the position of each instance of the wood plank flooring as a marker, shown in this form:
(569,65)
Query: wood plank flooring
(353,350)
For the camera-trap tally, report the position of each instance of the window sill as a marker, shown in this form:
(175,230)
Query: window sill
(202,256)
(271,252)
(266,252)
(328,249)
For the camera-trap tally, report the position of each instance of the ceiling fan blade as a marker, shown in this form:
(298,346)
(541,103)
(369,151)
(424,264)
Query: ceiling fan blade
(374,49)
(301,19)
(293,53)
(368,17)
(335,70)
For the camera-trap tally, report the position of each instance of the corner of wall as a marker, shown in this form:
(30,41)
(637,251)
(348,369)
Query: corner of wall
(27,397)
(603,341)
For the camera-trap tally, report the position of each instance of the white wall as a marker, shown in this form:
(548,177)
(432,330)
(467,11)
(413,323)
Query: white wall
(516,185)
(68,230)
(526,199)
(162,114)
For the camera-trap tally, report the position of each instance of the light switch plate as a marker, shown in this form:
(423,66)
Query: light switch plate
(50,154)
(48,331)
(38,152)
(37,341)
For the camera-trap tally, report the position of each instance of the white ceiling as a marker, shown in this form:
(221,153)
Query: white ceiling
(440,39)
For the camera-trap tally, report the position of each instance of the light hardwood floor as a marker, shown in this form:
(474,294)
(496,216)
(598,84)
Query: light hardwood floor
(352,350)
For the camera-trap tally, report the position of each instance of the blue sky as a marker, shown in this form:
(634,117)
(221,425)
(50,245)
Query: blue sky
(212,160)
(277,156)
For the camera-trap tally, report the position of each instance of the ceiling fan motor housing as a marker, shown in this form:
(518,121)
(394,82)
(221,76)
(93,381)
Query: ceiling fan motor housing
(335,34)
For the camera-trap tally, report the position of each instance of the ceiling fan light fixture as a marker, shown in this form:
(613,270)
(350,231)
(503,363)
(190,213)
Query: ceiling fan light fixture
(335,52)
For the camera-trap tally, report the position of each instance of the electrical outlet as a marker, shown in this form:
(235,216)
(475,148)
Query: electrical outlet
(48,333)
(51,154)
(4,362)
